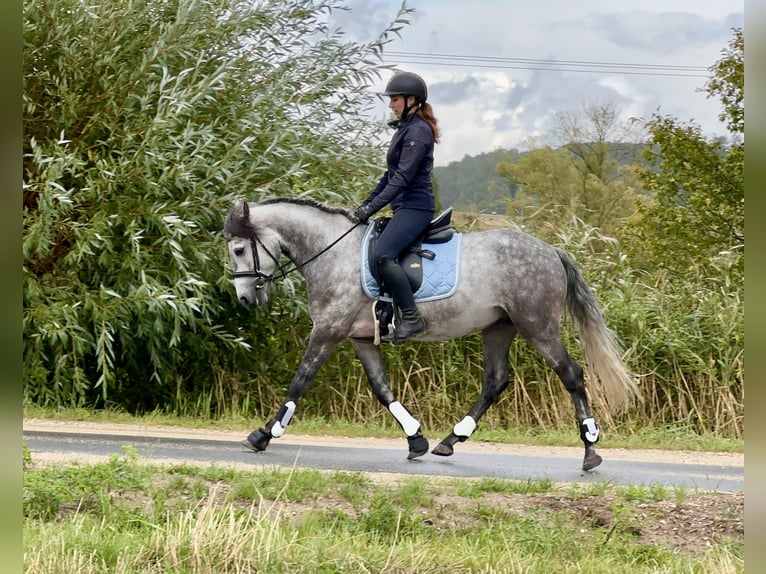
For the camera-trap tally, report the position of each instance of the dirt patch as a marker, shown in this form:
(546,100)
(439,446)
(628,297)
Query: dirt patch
(693,523)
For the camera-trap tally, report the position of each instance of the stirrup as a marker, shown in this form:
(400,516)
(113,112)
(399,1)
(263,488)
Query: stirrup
(375,325)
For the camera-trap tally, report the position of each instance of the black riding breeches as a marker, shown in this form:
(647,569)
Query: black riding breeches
(401,231)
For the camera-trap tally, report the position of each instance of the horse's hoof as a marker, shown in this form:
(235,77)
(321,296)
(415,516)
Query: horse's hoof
(258,440)
(591,461)
(250,446)
(418,446)
(443,449)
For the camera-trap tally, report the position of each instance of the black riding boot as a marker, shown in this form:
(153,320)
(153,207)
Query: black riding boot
(398,285)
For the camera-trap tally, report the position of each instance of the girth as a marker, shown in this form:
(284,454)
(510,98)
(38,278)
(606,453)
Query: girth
(440,230)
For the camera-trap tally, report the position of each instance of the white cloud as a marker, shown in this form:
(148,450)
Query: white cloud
(481,108)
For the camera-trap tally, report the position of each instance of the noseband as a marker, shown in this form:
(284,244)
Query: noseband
(256,272)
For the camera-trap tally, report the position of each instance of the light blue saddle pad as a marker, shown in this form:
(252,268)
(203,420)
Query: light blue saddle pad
(440,276)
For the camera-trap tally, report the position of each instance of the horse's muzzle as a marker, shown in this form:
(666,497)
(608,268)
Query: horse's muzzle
(253,298)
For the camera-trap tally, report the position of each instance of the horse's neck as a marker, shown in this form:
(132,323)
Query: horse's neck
(304,230)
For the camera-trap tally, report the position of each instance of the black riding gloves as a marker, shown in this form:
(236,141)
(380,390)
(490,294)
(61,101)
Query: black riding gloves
(363,213)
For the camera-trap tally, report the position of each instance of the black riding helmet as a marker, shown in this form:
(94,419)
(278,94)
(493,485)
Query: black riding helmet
(407,84)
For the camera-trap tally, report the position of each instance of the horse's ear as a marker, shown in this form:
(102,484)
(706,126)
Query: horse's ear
(242,210)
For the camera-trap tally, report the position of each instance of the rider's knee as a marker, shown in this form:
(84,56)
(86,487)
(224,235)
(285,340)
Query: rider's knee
(382,261)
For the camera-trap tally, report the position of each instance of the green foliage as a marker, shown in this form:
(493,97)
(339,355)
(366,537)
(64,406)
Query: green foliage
(385,520)
(26,456)
(684,340)
(695,214)
(586,177)
(137,137)
(548,186)
(689,235)
(727,83)
(474,184)
(478,488)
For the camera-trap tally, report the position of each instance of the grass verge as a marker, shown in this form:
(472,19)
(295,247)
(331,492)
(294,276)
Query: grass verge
(124,516)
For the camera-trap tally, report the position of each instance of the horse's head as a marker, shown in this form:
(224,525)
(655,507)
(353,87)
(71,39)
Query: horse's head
(253,254)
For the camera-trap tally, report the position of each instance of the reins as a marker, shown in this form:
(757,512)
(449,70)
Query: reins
(281,268)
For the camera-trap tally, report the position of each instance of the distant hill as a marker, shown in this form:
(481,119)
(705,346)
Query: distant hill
(472,184)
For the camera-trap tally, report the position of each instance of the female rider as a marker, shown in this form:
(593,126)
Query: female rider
(406,186)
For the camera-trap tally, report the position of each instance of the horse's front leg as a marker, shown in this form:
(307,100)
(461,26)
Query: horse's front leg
(496,340)
(372,361)
(317,352)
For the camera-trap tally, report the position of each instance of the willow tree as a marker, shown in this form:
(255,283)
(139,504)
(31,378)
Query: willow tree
(142,121)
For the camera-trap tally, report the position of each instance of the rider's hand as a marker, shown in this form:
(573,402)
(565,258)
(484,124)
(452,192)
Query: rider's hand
(362,213)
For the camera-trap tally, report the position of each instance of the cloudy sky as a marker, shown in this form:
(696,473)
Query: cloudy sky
(498,70)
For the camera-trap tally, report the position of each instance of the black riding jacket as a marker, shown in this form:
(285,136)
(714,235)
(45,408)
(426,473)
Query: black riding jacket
(407,181)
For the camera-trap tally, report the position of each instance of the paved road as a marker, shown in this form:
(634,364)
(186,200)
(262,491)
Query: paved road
(520,467)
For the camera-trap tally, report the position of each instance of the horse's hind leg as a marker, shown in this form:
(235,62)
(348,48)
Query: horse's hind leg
(372,361)
(497,343)
(571,374)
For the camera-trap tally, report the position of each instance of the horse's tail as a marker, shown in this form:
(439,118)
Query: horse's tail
(600,344)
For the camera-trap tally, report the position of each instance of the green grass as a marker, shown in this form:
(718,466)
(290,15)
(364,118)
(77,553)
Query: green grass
(123,516)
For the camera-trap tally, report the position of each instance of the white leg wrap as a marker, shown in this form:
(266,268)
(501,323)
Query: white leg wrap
(279,426)
(277,430)
(410,425)
(590,429)
(465,427)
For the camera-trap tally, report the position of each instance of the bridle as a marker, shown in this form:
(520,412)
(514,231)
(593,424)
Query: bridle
(258,273)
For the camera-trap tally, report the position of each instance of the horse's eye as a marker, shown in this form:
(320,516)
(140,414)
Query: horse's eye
(239,251)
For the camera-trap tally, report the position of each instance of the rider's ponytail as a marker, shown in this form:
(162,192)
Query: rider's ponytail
(426,112)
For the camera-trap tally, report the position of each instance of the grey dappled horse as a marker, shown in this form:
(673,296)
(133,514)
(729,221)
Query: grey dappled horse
(511,283)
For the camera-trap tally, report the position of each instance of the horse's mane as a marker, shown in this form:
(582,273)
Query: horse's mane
(239,227)
(310,203)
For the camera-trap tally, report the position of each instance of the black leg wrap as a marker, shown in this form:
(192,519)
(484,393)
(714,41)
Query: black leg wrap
(258,440)
(418,445)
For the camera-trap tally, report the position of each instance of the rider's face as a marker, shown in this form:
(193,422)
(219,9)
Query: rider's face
(396,105)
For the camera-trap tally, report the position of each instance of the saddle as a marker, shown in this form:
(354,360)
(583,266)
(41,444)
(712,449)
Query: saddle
(430,280)
(440,230)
